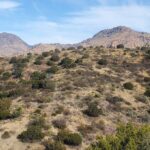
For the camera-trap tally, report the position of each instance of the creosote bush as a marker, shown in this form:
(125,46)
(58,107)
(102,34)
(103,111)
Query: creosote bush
(55,57)
(34,130)
(5,109)
(6,75)
(45,54)
(69,138)
(102,62)
(147,92)
(93,110)
(128,86)
(32,134)
(52,70)
(67,63)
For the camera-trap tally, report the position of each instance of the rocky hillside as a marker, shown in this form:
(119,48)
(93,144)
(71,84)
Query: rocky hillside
(12,45)
(119,35)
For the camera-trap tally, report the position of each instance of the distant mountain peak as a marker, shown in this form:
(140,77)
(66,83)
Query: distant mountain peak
(119,35)
(11,44)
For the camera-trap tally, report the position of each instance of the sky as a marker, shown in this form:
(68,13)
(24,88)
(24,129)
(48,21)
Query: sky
(70,21)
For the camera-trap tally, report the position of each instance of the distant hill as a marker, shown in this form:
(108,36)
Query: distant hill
(118,35)
(11,44)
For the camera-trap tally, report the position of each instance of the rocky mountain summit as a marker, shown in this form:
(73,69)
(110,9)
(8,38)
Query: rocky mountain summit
(11,44)
(119,35)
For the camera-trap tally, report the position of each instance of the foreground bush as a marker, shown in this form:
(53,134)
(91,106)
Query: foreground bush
(127,137)
(33,133)
(68,138)
(34,130)
(67,63)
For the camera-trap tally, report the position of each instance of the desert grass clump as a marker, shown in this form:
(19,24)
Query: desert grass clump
(93,110)
(5,135)
(59,123)
(68,138)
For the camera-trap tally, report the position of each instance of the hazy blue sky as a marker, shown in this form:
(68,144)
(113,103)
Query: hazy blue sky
(70,21)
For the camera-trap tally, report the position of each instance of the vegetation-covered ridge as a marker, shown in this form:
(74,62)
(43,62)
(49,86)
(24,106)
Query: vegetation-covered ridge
(91,98)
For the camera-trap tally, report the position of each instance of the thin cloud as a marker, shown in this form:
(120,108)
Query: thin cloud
(6,5)
(75,27)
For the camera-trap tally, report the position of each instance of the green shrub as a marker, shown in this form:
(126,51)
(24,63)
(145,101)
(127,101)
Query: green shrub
(45,54)
(115,100)
(5,109)
(54,146)
(147,92)
(50,63)
(17,73)
(13,60)
(38,62)
(52,70)
(5,135)
(32,134)
(67,63)
(146,79)
(16,113)
(120,46)
(93,110)
(38,84)
(38,76)
(127,137)
(68,138)
(55,57)
(102,62)
(38,121)
(128,86)
(6,75)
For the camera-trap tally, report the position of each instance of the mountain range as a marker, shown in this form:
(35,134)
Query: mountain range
(11,44)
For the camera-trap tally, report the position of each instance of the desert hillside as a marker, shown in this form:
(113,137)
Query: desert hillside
(91,98)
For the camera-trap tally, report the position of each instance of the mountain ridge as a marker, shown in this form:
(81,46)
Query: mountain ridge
(11,44)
